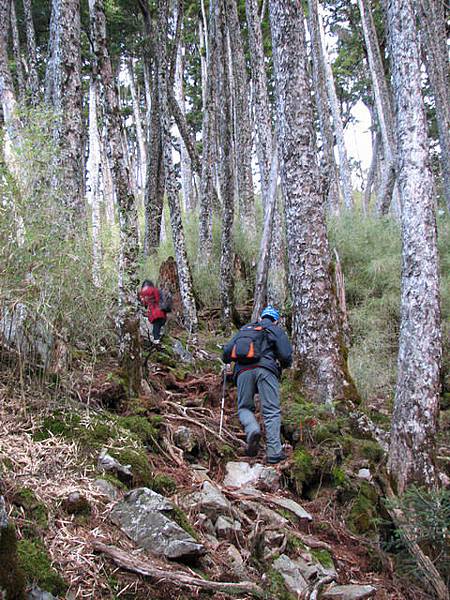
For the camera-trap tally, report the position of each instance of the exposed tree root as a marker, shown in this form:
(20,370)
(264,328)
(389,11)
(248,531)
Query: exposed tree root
(149,569)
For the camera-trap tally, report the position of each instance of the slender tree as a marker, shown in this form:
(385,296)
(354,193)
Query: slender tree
(17,52)
(140,137)
(329,167)
(128,314)
(316,329)
(33,79)
(432,14)
(416,405)
(184,273)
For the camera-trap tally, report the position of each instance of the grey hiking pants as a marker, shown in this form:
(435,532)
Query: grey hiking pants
(265,383)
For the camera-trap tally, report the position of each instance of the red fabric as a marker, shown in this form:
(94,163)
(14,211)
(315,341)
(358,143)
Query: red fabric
(149,297)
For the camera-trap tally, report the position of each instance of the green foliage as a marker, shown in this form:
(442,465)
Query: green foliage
(324,557)
(12,576)
(34,509)
(363,516)
(36,564)
(427,522)
(303,468)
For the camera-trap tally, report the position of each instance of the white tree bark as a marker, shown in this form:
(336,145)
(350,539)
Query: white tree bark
(316,329)
(93,183)
(414,421)
(344,166)
(33,79)
(141,143)
(17,52)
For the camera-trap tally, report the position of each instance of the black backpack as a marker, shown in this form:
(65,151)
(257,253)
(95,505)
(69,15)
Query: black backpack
(165,300)
(249,344)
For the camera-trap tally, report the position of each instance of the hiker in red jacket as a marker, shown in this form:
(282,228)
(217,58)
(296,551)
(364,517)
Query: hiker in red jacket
(150,298)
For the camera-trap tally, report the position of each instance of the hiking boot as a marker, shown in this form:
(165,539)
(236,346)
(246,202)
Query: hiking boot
(274,460)
(253,443)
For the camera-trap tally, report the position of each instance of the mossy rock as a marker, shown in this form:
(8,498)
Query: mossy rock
(12,576)
(276,587)
(138,461)
(364,515)
(35,510)
(164,484)
(35,562)
(302,468)
(57,424)
(144,428)
(323,557)
(181,519)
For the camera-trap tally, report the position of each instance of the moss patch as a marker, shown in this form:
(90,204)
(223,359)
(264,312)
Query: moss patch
(181,519)
(277,588)
(145,429)
(302,469)
(35,562)
(324,557)
(138,461)
(12,576)
(164,484)
(34,510)
(363,514)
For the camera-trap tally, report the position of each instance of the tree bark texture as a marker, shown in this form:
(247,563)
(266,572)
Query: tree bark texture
(243,129)
(227,167)
(344,166)
(7,95)
(328,167)
(65,99)
(432,14)
(33,79)
(414,421)
(187,187)
(128,314)
(183,269)
(93,187)
(383,106)
(367,194)
(316,330)
(141,143)
(209,158)
(17,52)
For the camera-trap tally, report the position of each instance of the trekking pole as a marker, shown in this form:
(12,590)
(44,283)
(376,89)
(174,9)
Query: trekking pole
(222,409)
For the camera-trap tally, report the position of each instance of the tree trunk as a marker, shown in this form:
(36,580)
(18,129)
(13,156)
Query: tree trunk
(316,329)
(367,194)
(187,187)
(33,79)
(93,183)
(383,106)
(65,99)
(328,167)
(17,52)
(128,315)
(184,273)
(432,14)
(227,186)
(243,129)
(344,166)
(107,180)
(141,145)
(275,288)
(414,421)
(209,158)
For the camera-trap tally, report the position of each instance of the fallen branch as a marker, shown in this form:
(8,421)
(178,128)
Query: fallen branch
(148,569)
(208,429)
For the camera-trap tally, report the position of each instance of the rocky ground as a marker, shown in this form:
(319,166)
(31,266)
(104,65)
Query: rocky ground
(108,498)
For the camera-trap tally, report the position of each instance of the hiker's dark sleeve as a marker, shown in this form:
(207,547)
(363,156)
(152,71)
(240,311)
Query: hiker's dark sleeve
(283,348)
(226,356)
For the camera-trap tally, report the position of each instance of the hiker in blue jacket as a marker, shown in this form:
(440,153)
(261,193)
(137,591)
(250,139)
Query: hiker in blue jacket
(260,351)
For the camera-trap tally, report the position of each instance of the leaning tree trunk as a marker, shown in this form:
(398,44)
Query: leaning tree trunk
(329,167)
(383,106)
(316,329)
(33,79)
(269,287)
(432,14)
(93,189)
(243,130)
(344,166)
(414,421)
(184,272)
(65,99)
(128,315)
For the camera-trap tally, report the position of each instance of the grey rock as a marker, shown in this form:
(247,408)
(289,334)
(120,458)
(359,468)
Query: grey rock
(209,500)
(212,541)
(292,506)
(365,474)
(236,562)
(205,523)
(349,592)
(200,473)
(271,518)
(106,488)
(76,504)
(184,355)
(245,475)
(37,594)
(3,514)
(274,539)
(185,439)
(108,464)
(144,516)
(226,527)
(291,574)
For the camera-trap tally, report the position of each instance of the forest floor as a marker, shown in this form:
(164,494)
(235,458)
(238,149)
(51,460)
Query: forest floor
(51,435)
